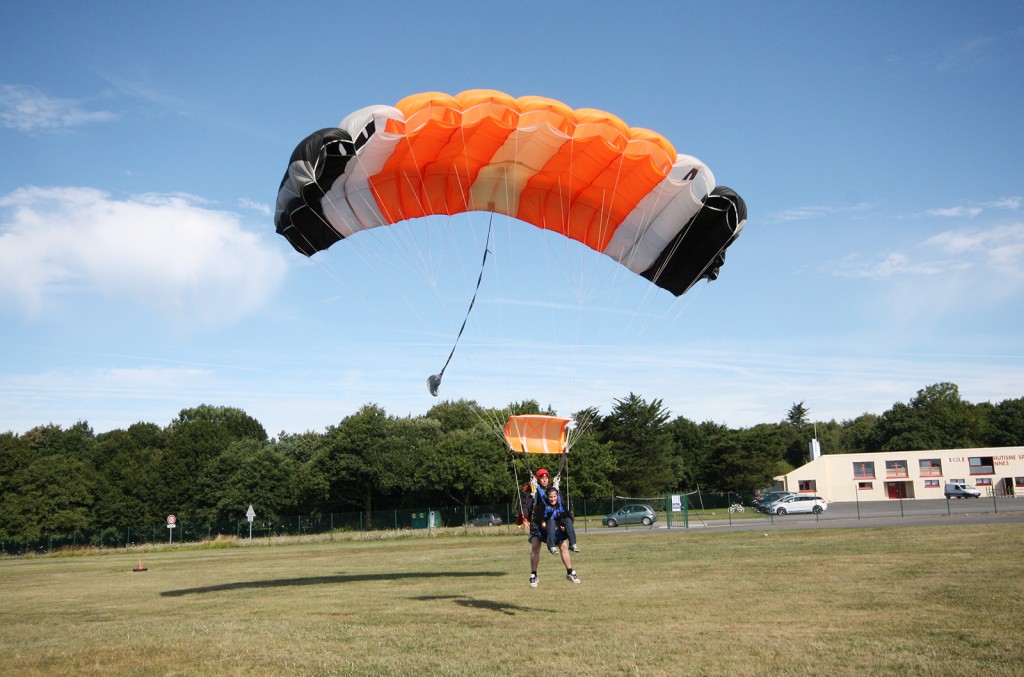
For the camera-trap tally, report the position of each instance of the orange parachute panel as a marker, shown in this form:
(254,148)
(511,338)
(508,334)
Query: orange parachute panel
(536,434)
(576,172)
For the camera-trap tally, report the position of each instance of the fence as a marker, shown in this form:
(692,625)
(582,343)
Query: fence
(588,514)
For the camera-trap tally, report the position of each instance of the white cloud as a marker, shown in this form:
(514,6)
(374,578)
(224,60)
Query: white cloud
(26,109)
(806,212)
(969,212)
(999,247)
(163,252)
(888,265)
(261,208)
(967,55)
(1013,202)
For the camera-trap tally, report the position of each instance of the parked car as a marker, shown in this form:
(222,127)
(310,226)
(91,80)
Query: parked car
(487,519)
(798,503)
(761,503)
(961,490)
(637,513)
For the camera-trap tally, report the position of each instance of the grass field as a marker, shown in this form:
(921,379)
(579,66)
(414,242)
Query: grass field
(882,601)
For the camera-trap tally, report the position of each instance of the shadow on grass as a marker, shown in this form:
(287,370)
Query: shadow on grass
(500,607)
(324,580)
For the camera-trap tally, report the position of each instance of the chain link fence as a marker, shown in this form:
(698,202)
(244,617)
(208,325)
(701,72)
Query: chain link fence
(588,514)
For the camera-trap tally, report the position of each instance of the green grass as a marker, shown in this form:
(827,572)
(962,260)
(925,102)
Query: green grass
(909,600)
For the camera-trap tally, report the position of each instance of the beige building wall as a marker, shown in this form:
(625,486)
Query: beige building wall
(891,475)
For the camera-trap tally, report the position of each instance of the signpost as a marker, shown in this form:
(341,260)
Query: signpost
(250,515)
(172,522)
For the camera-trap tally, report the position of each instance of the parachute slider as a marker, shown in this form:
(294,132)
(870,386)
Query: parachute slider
(537,434)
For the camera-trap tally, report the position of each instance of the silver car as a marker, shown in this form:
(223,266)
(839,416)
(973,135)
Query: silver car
(798,503)
(637,513)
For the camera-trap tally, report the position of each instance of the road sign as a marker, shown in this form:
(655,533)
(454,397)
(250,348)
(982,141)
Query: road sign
(250,515)
(171,521)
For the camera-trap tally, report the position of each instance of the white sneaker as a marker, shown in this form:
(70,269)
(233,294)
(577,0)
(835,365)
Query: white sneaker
(574,547)
(573,578)
(554,551)
(533,580)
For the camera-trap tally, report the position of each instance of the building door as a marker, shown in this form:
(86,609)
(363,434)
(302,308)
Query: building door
(896,489)
(1007,486)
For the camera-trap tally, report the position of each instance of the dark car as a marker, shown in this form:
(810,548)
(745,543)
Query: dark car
(761,502)
(637,513)
(487,519)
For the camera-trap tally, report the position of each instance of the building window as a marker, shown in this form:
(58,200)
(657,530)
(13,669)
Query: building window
(896,469)
(930,467)
(808,485)
(958,481)
(981,465)
(864,470)
(1018,481)
(984,481)
(868,486)
(931,484)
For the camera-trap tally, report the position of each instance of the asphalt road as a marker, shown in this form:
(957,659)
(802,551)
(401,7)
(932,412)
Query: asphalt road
(891,513)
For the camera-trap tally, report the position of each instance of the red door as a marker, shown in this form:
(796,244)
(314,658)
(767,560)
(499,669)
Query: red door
(896,489)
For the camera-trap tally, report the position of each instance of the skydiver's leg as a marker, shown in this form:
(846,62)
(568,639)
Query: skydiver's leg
(551,534)
(563,550)
(534,553)
(570,573)
(570,531)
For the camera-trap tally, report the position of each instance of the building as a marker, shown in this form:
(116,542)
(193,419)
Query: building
(885,475)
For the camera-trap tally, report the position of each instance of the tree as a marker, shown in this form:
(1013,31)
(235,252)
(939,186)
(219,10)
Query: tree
(937,418)
(745,460)
(641,445)
(370,456)
(197,437)
(457,415)
(590,466)
(235,422)
(797,416)
(1006,424)
(312,486)
(250,472)
(830,436)
(55,494)
(468,465)
(690,450)
(859,434)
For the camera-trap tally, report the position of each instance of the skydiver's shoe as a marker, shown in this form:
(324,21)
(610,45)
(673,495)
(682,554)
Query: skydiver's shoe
(533,580)
(573,578)
(574,547)
(554,550)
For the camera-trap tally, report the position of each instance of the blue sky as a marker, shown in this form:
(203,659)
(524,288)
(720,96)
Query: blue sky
(878,146)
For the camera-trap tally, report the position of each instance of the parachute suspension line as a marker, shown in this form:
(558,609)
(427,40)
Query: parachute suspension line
(563,466)
(330,270)
(518,490)
(434,380)
(604,223)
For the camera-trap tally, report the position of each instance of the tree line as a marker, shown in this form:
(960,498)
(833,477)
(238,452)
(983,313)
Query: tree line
(212,461)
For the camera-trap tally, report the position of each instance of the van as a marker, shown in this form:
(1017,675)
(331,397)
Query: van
(960,490)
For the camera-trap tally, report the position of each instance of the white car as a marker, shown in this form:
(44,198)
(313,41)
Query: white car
(798,503)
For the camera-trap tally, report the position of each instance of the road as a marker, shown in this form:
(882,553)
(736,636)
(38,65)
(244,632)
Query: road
(891,513)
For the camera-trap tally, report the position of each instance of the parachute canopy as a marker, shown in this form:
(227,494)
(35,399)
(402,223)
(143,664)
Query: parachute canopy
(584,173)
(536,434)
